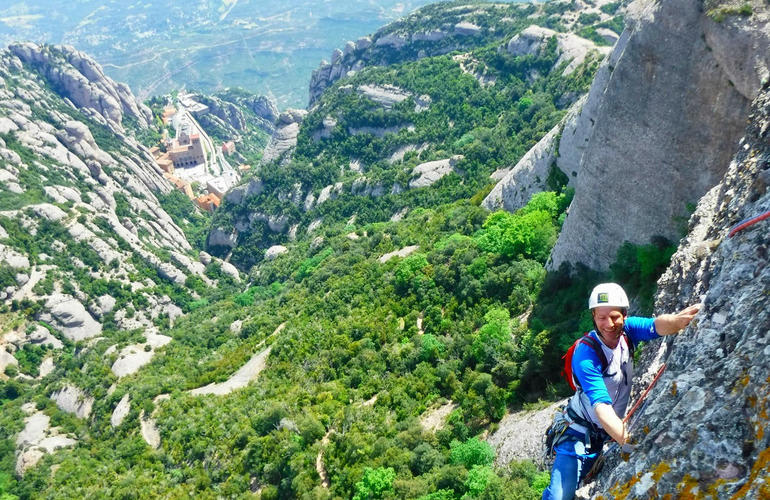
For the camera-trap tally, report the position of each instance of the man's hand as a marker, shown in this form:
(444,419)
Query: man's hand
(667,324)
(611,423)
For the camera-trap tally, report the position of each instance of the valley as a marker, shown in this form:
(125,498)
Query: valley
(378,305)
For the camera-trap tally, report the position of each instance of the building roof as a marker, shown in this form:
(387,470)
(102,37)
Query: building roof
(208,201)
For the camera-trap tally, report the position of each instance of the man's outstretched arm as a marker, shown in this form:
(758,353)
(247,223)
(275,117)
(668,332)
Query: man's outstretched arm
(668,324)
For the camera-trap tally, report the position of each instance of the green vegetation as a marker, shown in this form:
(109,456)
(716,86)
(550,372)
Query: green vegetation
(194,222)
(720,13)
(364,351)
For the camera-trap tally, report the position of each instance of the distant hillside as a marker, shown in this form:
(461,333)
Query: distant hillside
(412,133)
(155,46)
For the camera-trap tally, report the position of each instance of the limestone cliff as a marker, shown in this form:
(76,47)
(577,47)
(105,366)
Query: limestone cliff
(704,430)
(661,123)
(77,77)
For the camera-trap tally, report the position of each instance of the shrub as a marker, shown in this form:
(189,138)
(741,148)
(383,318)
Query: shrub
(471,452)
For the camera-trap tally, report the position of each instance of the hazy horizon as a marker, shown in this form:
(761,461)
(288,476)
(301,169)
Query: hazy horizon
(269,48)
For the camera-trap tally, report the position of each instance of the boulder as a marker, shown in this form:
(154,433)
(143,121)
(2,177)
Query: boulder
(69,316)
(274,251)
(71,399)
(430,172)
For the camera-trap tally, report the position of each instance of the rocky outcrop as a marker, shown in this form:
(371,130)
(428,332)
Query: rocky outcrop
(407,40)
(241,378)
(82,81)
(403,252)
(667,119)
(430,172)
(571,49)
(73,400)
(36,439)
(274,251)
(121,411)
(239,194)
(264,107)
(284,138)
(705,430)
(69,316)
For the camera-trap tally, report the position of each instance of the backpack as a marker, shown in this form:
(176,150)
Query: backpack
(594,344)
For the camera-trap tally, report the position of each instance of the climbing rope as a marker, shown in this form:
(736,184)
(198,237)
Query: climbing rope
(746,223)
(644,395)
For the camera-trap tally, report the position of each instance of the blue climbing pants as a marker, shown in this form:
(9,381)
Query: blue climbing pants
(570,466)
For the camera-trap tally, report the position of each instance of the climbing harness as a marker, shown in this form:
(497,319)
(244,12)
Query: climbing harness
(747,222)
(639,404)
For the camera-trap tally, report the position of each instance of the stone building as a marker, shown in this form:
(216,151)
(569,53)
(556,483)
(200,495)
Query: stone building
(187,151)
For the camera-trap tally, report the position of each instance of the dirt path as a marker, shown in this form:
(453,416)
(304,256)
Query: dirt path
(433,420)
(319,461)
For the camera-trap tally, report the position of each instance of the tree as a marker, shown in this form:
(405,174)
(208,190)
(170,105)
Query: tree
(375,483)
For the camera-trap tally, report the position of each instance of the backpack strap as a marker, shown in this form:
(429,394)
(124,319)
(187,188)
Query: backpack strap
(595,345)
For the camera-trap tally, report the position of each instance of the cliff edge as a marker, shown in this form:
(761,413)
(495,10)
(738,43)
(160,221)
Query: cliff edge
(704,430)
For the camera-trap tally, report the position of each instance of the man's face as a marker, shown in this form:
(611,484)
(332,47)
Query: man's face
(609,321)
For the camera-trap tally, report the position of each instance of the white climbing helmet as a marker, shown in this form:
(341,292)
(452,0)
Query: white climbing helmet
(608,294)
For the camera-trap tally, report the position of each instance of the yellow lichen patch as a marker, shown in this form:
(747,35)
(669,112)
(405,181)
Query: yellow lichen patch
(752,400)
(646,429)
(744,380)
(687,488)
(673,389)
(624,490)
(760,432)
(759,467)
(659,470)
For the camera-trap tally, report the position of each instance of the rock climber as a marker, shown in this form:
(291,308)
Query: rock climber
(594,414)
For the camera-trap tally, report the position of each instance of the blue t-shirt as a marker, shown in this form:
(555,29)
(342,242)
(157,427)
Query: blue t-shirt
(587,367)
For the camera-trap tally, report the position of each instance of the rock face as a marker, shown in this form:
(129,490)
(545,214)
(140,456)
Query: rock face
(530,174)
(284,138)
(83,82)
(519,435)
(704,431)
(667,115)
